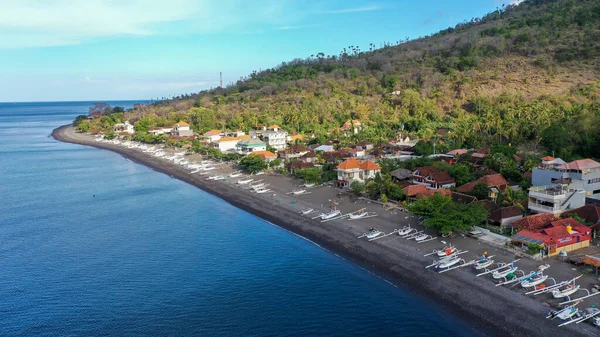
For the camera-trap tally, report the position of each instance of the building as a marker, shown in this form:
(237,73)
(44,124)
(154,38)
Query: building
(421,191)
(160,130)
(457,152)
(124,127)
(296,151)
(354,170)
(182,129)
(324,148)
(405,140)
(295,138)
(211,136)
(432,177)
(267,156)
(353,126)
(357,152)
(557,236)
(228,144)
(494,182)
(505,216)
(275,137)
(560,187)
(250,145)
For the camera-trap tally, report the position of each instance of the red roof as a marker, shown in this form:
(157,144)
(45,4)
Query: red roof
(414,190)
(504,213)
(590,213)
(536,221)
(438,176)
(430,193)
(579,165)
(493,180)
(557,233)
(548,158)
(264,154)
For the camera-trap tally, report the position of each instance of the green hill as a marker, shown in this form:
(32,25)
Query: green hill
(526,75)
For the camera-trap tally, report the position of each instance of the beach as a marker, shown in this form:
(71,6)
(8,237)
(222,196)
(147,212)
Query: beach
(492,310)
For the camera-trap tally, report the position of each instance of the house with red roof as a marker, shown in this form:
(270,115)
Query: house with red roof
(432,177)
(353,169)
(494,182)
(557,236)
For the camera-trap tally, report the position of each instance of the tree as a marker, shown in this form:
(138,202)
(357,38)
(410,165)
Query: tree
(357,188)
(253,163)
(100,108)
(275,163)
(481,191)
(79,119)
(310,175)
(118,109)
(446,216)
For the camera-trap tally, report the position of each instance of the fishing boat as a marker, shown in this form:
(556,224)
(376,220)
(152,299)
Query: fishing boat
(448,263)
(421,237)
(569,290)
(563,314)
(309,185)
(215,178)
(297,192)
(358,214)
(373,233)
(262,190)
(533,281)
(306,211)
(257,186)
(245,181)
(235,174)
(405,231)
(446,251)
(502,273)
(330,215)
(483,263)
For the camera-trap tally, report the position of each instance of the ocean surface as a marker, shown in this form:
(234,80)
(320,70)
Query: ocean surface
(92,244)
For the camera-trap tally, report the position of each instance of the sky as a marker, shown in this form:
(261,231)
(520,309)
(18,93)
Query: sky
(77,50)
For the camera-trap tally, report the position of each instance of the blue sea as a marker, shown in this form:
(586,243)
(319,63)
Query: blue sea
(92,244)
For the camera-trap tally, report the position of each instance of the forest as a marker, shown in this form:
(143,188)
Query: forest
(524,76)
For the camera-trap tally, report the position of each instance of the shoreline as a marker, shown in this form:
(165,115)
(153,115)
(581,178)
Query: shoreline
(490,310)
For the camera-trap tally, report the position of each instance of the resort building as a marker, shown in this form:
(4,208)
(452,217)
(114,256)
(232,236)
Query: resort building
(354,170)
(250,145)
(560,187)
(557,236)
(182,129)
(124,127)
(275,137)
(353,126)
(432,177)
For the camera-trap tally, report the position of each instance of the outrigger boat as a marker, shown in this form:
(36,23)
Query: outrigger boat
(565,313)
(358,214)
(533,280)
(245,181)
(262,190)
(483,263)
(330,215)
(449,263)
(235,174)
(373,233)
(569,290)
(309,185)
(405,230)
(215,178)
(306,211)
(446,251)
(502,273)
(422,237)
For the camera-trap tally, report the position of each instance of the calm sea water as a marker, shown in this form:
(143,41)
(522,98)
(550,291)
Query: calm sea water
(92,244)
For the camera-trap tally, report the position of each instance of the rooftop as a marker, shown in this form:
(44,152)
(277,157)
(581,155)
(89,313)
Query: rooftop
(580,165)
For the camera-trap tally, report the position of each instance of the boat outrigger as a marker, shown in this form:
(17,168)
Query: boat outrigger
(405,230)
(245,181)
(306,211)
(328,216)
(373,233)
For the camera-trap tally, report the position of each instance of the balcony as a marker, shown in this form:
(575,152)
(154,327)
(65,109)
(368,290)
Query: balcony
(550,193)
(539,208)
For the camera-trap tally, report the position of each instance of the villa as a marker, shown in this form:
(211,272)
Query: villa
(182,129)
(275,137)
(355,170)
(432,177)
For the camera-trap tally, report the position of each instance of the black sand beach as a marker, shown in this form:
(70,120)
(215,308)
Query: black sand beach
(494,311)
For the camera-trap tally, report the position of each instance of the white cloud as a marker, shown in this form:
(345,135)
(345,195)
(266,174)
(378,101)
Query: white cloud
(354,10)
(43,23)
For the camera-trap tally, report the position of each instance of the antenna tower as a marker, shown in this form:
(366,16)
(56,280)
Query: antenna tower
(221,76)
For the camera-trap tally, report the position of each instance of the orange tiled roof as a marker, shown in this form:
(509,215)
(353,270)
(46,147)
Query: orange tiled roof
(264,154)
(492,180)
(414,190)
(548,158)
(274,126)
(349,164)
(182,123)
(430,193)
(228,139)
(212,133)
(368,165)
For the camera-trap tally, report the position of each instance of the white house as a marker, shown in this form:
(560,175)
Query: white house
(275,137)
(160,130)
(227,144)
(182,129)
(212,135)
(124,127)
(352,125)
(325,148)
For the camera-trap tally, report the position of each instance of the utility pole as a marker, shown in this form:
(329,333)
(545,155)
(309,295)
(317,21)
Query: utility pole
(221,77)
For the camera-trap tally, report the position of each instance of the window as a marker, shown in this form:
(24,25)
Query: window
(594,181)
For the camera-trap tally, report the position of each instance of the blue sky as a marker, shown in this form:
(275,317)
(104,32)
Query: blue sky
(52,50)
